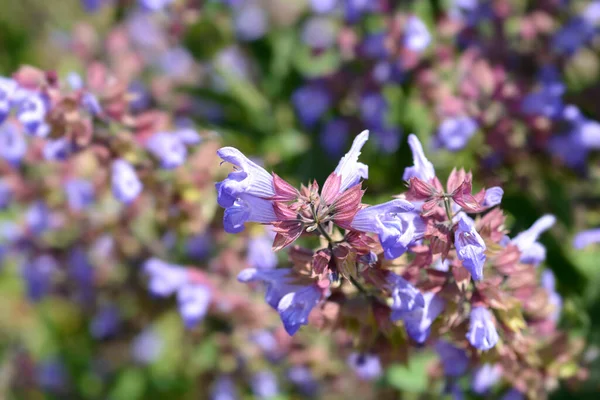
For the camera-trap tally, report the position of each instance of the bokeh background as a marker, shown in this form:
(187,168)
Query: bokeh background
(291,82)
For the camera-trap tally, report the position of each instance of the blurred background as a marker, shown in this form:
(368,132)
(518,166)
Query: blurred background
(506,88)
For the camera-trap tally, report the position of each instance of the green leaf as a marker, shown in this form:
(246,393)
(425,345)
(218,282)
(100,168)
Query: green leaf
(413,377)
(130,385)
(311,65)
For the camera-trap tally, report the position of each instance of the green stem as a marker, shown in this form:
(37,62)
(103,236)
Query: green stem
(447,207)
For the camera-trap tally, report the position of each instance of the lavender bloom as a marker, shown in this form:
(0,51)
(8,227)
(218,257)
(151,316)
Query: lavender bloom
(388,138)
(304,380)
(12,143)
(165,278)
(37,218)
(455,133)
(37,274)
(374,45)
(572,36)
(311,102)
(548,282)
(31,113)
(81,270)
(223,389)
(334,136)
(260,252)
(193,300)
(5,194)
(265,341)
(295,307)
(126,186)
(264,385)
(418,321)
(92,5)
(248,179)
(470,247)
(485,377)
(493,196)
(51,375)
(277,281)
(454,360)
(366,366)
(423,168)
(580,135)
(397,227)
(176,63)
(354,9)
(373,108)
(198,246)
(147,346)
(188,136)
(323,6)
(533,252)
(349,169)
(168,148)
(105,323)
(513,394)
(585,238)
(57,150)
(482,331)
(80,194)
(416,35)
(319,33)
(405,297)
(154,5)
(7,90)
(247,209)
(250,20)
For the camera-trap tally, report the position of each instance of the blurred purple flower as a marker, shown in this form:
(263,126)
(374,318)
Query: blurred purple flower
(548,282)
(405,297)
(12,143)
(455,133)
(304,380)
(105,323)
(165,278)
(373,45)
(31,113)
(37,274)
(223,388)
(323,6)
(93,5)
(355,9)
(482,332)
(168,148)
(37,217)
(80,269)
(147,346)
(80,194)
(572,36)
(250,21)
(334,136)
(470,247)
(140,96)
(264,385)
(260,252)
(484,377)
(154,5)
(51,375)
(266,341)
(311,102)
(454,360)
(319,33)
(579,135)
(418,321)
(493,196)
(125,183)
(532,252)
(8,88)
(193,300)
(366,366)
(373,109)
(5,194)
(416,35)
(585,238)
(176,63)
(198,246)
(57,150)
(513,394)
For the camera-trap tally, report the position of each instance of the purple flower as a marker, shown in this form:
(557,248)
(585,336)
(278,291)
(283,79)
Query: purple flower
(80,194)
(198,246)
(470,247)
(247,209)
(193,300)
(572,36)
(165,278)
(374,45)
(126,186)
(394,222)
(416,35)
(585,238)
(493,196)
(105,323)
(418,321)
(223,389)
(37,217)
(354,9)
(5,194)
(37,274)
(405,297)
(455,133)
(513,394)
(266,341)
(311,102)
(547,100)
(250,21)
(334,136)
(482,331)
(485,377)
(454,360)
(188,136)
(423,168)
(278,282)
(81,270)
(533,252)
(154,5)
(168,148)
(295,307)
(58,149)
(260,252)
(7,90)
(323,6)
(548,282)
(349,169)
(319,33)
(52,375)
(388,138)
(31,113)
(366,366)
(12,143)
(304,380)
(147,346)
(176,63)
(264,385)
(92,5)
(373,108)
(579,136)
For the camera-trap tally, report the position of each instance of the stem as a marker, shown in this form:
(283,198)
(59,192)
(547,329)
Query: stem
(323,232)
(447,207)
(358,285)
